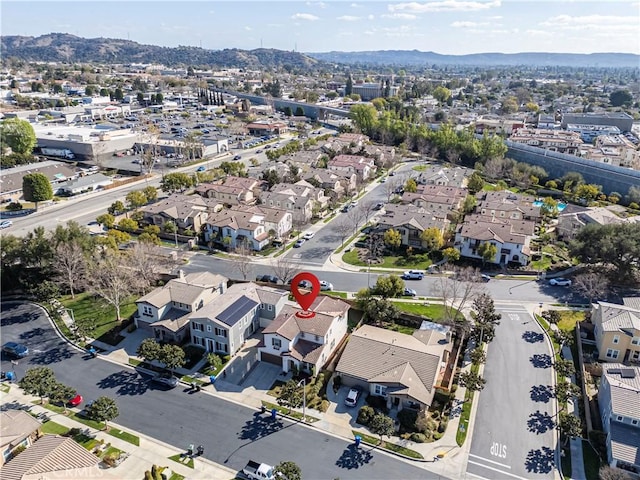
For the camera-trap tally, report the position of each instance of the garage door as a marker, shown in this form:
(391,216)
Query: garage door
(270,358)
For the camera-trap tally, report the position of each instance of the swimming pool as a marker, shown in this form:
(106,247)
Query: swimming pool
(561,206)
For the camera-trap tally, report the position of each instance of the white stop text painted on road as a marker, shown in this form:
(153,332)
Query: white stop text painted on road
(514,316)
(498,450)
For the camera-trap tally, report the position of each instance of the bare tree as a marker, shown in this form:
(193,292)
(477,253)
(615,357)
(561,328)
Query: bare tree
(592,285)
(342,227)
(610,473)
(458,291)
(390,187)
(368,207)
(70,264)
(284,269)
(242,259)
(147,261)
(355,217)
(109,278)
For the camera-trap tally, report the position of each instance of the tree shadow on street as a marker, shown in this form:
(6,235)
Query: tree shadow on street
(541,393)
(540,461)
(36,332)
(261,426)
(53,355)
(540,422)
(127,383)
(532,337)
(541,360)
(354,457)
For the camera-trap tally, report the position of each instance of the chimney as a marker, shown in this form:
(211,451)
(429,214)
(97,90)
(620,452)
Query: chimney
(181,274)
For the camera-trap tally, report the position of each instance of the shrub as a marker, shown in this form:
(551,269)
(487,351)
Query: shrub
(18,450)
(73,432)
(377,402)
(324,405)
(442,427)
(337,381)
(418,437)
(407,419)
(365,415)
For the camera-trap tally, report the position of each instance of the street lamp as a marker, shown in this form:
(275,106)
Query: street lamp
(304,399)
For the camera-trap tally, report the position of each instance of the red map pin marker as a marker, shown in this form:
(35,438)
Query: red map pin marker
(305,299)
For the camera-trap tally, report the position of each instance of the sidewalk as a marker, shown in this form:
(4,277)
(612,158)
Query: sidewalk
(141,458)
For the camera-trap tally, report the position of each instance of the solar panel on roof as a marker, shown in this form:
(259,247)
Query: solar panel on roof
(627,373)
(238,309)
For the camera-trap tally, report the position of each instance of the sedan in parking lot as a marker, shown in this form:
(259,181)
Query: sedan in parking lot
(560,282)
(201,169)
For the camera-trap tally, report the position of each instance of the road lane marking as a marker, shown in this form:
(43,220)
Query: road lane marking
(496,470)
(492,461)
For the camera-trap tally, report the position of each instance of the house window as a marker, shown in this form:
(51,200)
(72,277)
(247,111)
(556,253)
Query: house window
(147,311)
(612,353)
(221,332)
(616,339)
(634,422)
(208,328)
(380,390)
(635,341)
(269,307)
(276,343)
(619,418)
(198,327)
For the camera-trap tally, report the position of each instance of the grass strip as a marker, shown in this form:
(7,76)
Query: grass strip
(181,460)
(53,428)
(126,436)
(463,425)
(375,441)
(285,411)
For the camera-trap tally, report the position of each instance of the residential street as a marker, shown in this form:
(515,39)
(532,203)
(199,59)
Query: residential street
(514,432)
(231,433)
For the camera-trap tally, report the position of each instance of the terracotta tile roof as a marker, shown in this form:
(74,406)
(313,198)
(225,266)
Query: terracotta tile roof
(54,457)
(15,426)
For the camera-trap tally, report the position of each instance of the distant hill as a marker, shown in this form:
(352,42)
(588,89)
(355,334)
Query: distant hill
(540,59)
(62,47)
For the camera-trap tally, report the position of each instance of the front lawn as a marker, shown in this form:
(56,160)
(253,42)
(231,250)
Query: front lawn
(375,441)
(183,460)
(416,262)
(126,436)
(53,428)
(94,313)
(435,311)
(568,320)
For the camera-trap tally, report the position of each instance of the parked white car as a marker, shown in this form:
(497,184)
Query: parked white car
(560,282)
(308,235)
(325,286)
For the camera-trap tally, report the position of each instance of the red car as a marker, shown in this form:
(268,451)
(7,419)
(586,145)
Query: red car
(75,401)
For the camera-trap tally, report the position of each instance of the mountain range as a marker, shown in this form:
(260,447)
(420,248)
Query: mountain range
(63,47)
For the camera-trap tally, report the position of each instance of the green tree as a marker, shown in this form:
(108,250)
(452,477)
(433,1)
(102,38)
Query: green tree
(566,390)
(172,356)
(365,118)
(106,219)
(381,425)
(103,409)
(214,361)
(173,182)
(475,183)
(451,254)
(478,355)
(441,94)
(18,135)
(549,207)
(472,381)
(38,381)
(287,470)
(621,98)
(116,208)
(128,225)
(136,199)
(565,368)
(432,239)
(389,286)
(290,395)
(151,193)
(348,89)
(149,350)
(487,251)
(569,425)
(392,238)
(411,186)
(61,393)
(36,188)
(486,319)
(587,192)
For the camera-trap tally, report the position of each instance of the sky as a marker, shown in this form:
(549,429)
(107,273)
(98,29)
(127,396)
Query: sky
(453,27)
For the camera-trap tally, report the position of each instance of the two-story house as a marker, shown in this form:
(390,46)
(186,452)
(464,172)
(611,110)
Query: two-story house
(363,167)
(403,369)
(437,198)
(506,204)
(187,212)
(619,403)
(224,325)
(410,221)
(571,221)
(303,188)
(305,344)
(232,228)
(165,311)
(17,429)
(617,330)
(449,176)
(230,195)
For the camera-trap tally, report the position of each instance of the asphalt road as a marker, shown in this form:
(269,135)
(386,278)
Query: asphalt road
(513,435)
(230,433)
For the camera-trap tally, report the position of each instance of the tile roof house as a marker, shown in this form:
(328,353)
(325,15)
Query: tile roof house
(186,211)
(231,194)
(53,456)
(17,428)
(437,198)
(403,369)
(512,239)
(410,221)
(619,403)
(364,167)
(617,330)
(332,182)
(166,310)
(305,344)
(506,204)
(570,223)
(224,325)
(450,176)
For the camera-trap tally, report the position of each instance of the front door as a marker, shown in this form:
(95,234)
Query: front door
(210,345)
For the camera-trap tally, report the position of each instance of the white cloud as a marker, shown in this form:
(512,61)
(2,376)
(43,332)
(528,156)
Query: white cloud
(400,16)
(305,16)
(371,17)
(588,21)
(445,6)
(355,5)
(317,4)
(248,29)
(349,18)
(539,33)
(468,24)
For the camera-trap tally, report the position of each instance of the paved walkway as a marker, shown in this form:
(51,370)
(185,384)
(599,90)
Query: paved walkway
(577,460)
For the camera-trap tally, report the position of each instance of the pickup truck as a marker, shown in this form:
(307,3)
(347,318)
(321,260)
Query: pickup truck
(258,471)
